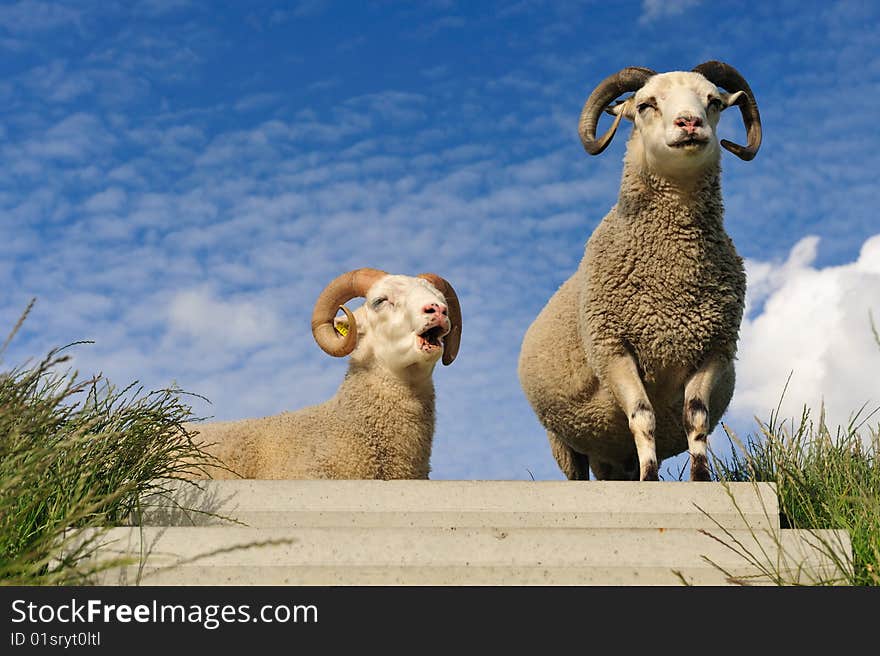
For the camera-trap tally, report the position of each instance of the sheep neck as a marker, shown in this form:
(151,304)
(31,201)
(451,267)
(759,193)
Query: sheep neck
(380,381)
(695,201)
(393,418)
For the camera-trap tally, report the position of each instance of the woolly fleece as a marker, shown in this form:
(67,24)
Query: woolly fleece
(661,279)
(374,427)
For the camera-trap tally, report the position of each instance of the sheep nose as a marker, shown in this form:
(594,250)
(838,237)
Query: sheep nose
(688,122)
(433,308)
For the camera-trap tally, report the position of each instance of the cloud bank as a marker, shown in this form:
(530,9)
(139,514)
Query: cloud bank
(813,324)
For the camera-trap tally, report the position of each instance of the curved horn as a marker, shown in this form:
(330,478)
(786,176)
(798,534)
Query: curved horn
(341,289)
(726,76)
(629,79)
(453,339)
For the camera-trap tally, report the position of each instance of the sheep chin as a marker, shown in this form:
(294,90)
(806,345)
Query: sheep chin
(426,346)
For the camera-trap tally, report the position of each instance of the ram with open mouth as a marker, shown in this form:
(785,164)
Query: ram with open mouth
(432,338)
(380,422)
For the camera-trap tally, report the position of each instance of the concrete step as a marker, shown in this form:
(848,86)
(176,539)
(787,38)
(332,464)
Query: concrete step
(466,504)
(221,555)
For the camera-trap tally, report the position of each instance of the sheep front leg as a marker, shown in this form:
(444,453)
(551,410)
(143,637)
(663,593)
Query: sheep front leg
(697,394)
(626,385)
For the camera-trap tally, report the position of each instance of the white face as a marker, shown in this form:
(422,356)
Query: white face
(676,115)
(402,324)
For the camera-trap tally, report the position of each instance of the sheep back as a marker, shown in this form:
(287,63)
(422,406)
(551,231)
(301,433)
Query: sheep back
(372,428)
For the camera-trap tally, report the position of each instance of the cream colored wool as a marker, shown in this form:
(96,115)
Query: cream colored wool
(375,427)
(690,286)
(660,281)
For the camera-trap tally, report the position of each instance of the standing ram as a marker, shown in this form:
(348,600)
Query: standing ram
(632,359)
(380,422)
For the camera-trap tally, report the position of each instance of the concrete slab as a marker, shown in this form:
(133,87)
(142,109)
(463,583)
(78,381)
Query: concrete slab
(468,556)
(597,504)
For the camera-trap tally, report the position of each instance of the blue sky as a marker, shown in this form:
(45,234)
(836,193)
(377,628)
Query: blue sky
(182,178)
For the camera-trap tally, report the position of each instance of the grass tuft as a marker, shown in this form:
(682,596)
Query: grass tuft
(823,480)
(80,454)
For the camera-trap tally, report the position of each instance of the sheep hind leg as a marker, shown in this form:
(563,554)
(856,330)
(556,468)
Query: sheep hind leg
(575,465)
(616,471)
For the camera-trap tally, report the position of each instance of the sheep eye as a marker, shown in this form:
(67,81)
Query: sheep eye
(378,301)
(646,105)
(715,102)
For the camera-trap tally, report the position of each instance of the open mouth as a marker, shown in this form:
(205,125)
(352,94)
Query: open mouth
(432,338)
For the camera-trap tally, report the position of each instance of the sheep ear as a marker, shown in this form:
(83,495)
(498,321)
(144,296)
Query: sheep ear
(624,108)
(342,325)
(731,99)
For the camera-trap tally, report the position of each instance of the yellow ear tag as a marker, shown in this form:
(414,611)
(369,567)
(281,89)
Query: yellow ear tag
(341,327)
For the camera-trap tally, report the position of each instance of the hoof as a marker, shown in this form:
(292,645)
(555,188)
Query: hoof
(700,469)
(650,473)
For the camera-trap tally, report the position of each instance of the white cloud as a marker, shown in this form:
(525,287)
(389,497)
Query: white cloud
(32,17)
(161,7)
(109,200)
(305,8)
(654,9)
(813,323)
(199,314)
(256,101)
(75,138)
